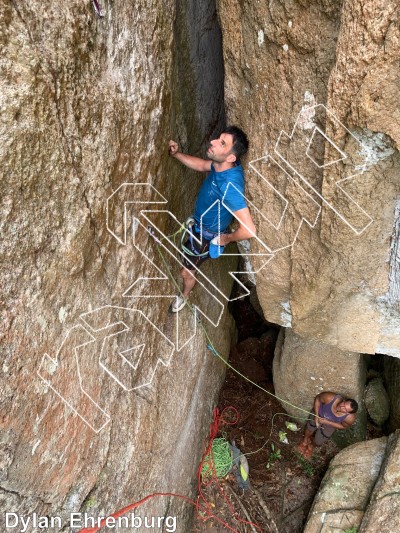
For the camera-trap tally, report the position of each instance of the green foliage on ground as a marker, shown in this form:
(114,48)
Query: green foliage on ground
(306,466)
(274,456)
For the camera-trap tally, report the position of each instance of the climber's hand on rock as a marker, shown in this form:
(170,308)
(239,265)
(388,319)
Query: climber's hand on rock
(173,148)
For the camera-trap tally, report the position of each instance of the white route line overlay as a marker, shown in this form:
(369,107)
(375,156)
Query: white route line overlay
(344,156)
(90,331)
(139,187)
(179,251)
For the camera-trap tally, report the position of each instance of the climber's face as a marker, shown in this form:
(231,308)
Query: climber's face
(344,407)
(220,150)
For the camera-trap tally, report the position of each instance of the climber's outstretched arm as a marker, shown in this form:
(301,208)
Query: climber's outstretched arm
(195,163)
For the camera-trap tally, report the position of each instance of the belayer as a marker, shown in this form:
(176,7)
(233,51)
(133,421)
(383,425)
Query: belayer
(221,194)
(331,411)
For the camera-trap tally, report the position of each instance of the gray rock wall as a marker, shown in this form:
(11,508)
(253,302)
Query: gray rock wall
(346,489)
(302,369)
(88,106)
(382,513)
(360,490)
(314,84)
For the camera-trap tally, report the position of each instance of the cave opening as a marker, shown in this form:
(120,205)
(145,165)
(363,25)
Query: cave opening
(381,394)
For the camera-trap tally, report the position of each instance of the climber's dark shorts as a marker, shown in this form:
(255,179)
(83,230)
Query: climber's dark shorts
(192,261)
(322,433)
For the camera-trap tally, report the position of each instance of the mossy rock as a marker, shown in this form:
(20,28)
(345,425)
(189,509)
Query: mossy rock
(377,401)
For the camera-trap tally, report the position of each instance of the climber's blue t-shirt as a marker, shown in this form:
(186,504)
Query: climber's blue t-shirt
(228,188)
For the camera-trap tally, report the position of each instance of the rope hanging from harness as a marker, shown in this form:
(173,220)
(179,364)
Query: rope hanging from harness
(214,251)
(190,224)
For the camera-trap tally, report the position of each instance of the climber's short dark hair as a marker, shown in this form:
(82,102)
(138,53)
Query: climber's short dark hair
(353,405)
(240,140)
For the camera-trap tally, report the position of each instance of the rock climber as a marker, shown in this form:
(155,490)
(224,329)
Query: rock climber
(331,412)
(221,194)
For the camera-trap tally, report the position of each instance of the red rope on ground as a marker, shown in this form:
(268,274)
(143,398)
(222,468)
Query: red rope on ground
(203,511)
(133,506)
(214,428)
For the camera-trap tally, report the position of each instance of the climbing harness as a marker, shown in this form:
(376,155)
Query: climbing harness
(186,231)
(191,225)
(215,249)
(99,9)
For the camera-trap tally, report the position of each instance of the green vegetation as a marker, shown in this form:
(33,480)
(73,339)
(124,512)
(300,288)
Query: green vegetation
(351,530)
(89,502)
(306,466)
(274,456)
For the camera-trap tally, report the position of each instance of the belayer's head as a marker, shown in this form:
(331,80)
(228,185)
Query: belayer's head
(229,147)
(353,405)
(348,406)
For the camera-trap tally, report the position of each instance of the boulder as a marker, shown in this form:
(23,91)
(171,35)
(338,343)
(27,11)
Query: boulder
(302,369)
(383,512)
(345,491)
(360,490)
(377,401)
(315,86)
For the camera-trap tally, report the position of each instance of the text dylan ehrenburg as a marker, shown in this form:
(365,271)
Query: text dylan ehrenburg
(20,524)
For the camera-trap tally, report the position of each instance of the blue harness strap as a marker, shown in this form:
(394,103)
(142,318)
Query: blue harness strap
(207,234)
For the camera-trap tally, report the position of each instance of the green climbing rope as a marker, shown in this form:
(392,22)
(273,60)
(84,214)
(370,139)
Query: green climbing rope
(223,460)
(216,353)
(219,461)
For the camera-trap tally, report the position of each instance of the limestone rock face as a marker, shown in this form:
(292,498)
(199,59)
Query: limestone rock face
(377,401)
(302,369)
(314,84)
(118,408)
(360,490)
